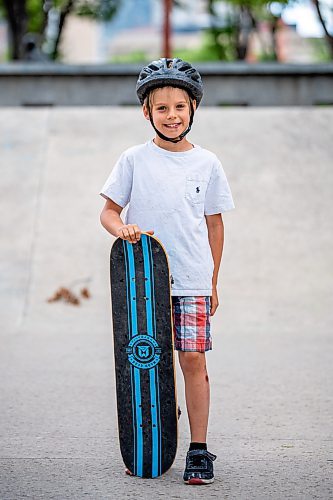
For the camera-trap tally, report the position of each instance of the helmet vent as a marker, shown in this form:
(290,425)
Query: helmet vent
(185,67)
(154,67)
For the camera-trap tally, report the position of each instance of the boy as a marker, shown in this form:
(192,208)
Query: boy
(177,191)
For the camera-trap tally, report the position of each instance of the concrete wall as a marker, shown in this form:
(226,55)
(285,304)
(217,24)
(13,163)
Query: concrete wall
(225,84)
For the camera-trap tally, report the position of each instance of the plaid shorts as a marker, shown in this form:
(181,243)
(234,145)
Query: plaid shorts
(191,323)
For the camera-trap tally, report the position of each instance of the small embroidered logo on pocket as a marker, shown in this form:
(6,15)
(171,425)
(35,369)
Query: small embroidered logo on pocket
(195,190)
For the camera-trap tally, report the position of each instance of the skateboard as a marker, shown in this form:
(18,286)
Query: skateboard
(144,356)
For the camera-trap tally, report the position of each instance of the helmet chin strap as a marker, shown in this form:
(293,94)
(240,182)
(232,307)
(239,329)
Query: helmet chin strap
(181,136)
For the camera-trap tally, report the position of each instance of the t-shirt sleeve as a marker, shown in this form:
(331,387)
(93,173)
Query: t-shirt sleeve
(218,195)
(119,183)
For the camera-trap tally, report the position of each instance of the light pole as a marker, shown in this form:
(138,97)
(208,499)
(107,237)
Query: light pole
(167,29)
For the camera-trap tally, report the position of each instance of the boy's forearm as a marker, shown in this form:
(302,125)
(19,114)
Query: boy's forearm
(216,241)
(111,221)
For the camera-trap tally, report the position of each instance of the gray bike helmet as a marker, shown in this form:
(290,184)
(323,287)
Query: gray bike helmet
(173,73)
(169,72)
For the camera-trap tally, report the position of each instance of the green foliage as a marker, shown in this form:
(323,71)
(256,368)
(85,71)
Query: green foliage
(101,9)
(320,50)
(2,10)
(251,4)
(137,56)
(267,57)
(210,50)
(222,41)
(35,15)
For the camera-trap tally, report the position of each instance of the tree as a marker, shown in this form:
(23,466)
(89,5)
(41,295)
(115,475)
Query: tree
(243,20)
(36,26)
(232,36)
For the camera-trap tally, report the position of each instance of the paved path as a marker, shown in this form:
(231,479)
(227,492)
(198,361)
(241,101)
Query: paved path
(271,367)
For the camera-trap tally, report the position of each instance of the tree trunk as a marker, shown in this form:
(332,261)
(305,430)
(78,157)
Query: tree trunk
(46,7)
(18,24)
(245,26)
(328,37)
(274,25)
(64,13)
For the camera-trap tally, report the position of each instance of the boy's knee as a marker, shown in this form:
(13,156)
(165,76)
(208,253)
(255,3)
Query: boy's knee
(193,361)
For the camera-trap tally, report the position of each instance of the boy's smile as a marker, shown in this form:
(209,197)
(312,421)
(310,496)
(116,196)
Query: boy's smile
(172,129)
(173,125)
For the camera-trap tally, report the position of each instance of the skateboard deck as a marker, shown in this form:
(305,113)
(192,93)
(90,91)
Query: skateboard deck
(144,355)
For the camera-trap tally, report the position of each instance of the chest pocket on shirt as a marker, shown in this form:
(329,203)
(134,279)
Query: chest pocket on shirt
(195,190)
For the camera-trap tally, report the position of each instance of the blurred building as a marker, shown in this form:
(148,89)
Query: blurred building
(136,30)
(136,27)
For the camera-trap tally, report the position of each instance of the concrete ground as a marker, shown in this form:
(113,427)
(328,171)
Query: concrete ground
(271,367)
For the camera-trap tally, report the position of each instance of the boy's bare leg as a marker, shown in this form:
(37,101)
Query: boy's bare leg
(193,365)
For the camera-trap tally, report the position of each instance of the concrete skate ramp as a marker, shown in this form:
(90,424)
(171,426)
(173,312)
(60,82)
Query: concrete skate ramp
(271,364)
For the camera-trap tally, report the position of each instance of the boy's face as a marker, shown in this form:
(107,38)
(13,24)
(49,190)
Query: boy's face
(170,109)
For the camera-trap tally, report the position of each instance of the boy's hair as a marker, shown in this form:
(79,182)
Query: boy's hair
(148,101)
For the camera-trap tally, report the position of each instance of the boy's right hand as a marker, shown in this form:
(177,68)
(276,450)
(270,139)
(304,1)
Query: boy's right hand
(131,233)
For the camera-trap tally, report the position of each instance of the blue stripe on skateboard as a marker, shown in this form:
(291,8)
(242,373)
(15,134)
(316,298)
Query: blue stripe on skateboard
(138,449)
(155,449)
(146,265)
(139,458)
(149,283)
(132,288)
(131,368)
(156,367)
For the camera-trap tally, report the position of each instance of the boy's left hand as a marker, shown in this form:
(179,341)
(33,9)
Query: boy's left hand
(214,301)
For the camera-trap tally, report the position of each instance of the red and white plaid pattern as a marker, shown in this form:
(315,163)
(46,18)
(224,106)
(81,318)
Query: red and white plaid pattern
(191,322)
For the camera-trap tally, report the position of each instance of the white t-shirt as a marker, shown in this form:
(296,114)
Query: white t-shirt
(170,193)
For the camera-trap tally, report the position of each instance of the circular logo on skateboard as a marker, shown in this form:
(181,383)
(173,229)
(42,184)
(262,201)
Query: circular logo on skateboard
(143,352)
